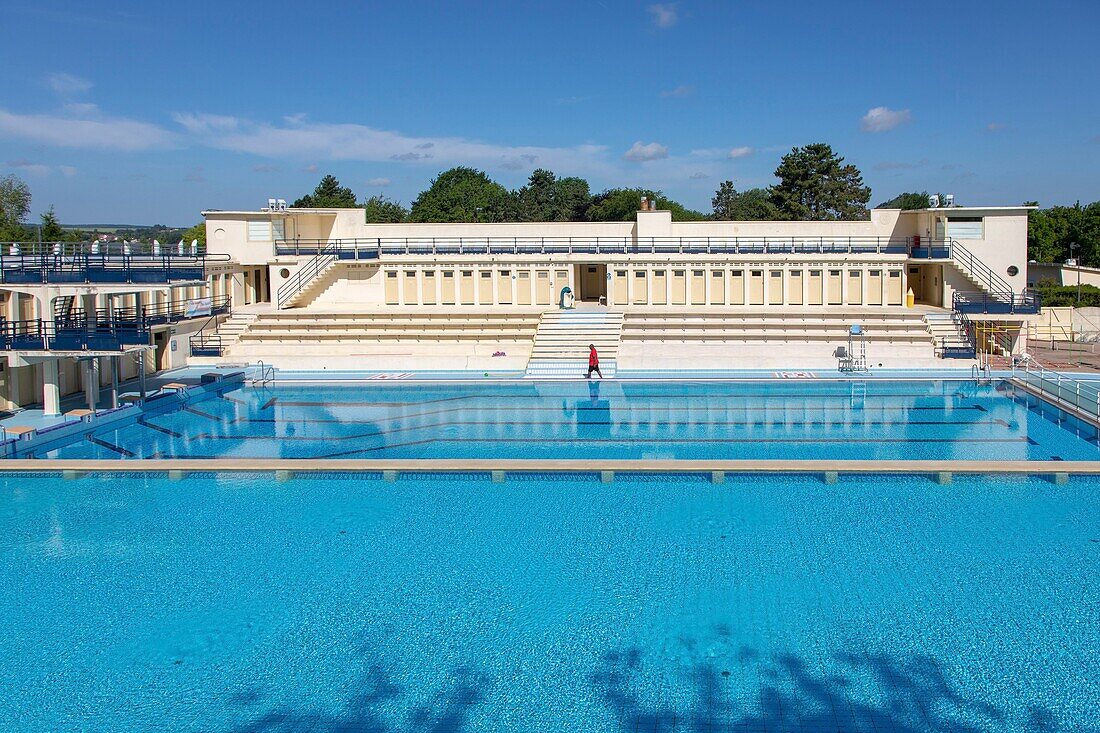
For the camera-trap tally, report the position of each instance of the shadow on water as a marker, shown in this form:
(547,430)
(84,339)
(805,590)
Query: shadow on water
(867,694)
(365,711)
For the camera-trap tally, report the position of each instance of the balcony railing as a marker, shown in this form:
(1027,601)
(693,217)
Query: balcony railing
(71,334)
(996,303)
(106,268)
(373,248)
(155,315)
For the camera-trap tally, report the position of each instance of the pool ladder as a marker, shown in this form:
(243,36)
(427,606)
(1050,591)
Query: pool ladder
(981,375)
(266,376)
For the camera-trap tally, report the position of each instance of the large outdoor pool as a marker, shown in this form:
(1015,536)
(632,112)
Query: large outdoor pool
(776,419)
(235,603)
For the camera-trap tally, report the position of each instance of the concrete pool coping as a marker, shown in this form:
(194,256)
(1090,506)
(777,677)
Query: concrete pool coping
(285,468)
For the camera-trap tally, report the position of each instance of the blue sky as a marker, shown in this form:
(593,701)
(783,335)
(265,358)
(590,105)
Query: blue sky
(150,112)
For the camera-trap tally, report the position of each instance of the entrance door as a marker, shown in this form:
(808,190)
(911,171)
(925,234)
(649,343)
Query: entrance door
(874,287)
(392,295)
(794,288)
(160,350)
(834,287)
(717,287)
(855,287)
(504,287)
(591,282)
(466,287)
(660,287)
(813,291)
(447,287)
(641,287)
(485,287)
(620,292)
(679,287)
(542,288)
(894,296)
(429,287)
(756,287)
(408,288)
(737,287)
(775,287)
(523,287)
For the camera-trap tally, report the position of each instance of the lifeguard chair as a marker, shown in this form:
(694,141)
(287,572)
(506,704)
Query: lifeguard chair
(854,357)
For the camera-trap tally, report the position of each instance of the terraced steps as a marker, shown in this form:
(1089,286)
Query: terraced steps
(560,349)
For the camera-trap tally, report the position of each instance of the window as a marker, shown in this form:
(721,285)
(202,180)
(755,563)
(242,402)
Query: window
(777,273)
(486,274)
(639,273)
(815,273)
(876,273)
(834,273)
(796,273)
(391,273)
(964,227)
(758,273)
(1013,271)
(678,273)
(716,273)
(658,273)
(429,273)
(591,270)
(467,273)
(895,273)
(737,273)
(620,273)
(279,225)
(448,273)
(259,231)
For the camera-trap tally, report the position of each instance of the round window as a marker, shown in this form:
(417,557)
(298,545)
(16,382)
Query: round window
(1013,271)
(284,273)
(219,234)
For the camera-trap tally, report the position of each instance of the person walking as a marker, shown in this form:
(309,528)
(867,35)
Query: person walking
(593,362)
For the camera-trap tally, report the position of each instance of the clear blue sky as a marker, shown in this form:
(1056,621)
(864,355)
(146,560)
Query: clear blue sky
(150,112)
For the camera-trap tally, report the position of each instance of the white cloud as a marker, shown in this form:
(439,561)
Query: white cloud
(265,168)
(32,169)
(680,91)
(900,165)
(311,168)
(378,181)
(698,176)
(96,132)
(663,15)
(995,126)
(67,84)
(881,119)
(741,152)
(67,170)
(641,153)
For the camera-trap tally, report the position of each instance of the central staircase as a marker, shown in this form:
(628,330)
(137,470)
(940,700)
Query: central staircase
(561,343)
(950,335)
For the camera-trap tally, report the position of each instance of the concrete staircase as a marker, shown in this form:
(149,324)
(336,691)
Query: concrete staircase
(561,343)
(309,277)
(230,330)
(949,336)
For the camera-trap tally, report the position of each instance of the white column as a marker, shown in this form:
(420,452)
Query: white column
(91,382)
(51,389)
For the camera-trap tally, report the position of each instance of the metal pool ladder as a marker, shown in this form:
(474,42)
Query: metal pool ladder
(266,376)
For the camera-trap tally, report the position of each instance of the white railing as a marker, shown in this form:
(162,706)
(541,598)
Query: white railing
(1061,389)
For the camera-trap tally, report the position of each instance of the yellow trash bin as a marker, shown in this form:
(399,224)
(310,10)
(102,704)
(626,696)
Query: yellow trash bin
(910,299)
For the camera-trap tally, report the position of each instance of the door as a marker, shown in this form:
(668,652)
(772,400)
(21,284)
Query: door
(523,287)
(393,295)
(466,287)
(894,295)
(504,287)
(620,285)
(447,287)
(641,287)
(855,287)
(542,288)
(813,288)
(485,287)
(737,287)
(408,288)
(717,287)
(429,290)
(679,287)
(874,287)
(756,287)
(835,294)
(775,287)
(660,287)
(794,287)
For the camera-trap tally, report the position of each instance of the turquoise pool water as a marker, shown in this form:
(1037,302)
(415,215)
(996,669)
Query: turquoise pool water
(778,419)
(342,603)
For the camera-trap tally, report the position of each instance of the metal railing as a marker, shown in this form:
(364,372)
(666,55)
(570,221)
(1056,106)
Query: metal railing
(110,249)
(980,271)
(75,333)
(33,269)
(1059,388)
(305,275)
(373,248)
(996,302)
(155,315)
(206,344)
(963,344)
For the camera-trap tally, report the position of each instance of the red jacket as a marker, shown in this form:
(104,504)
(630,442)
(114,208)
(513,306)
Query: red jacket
(593,358)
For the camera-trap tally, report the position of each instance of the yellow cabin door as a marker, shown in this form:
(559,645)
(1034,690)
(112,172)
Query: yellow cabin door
(775,287)
(874,287)
(679,287)
(523,287)
(698,287)
(660,287)
(504,287)
(737,287)
(408,288)
(542,288)
(485,287)
(813,288)
(718,287)
(429,287)
(620,288)
(756,287)
(794,287)
(641,287)
(466,287)
(393,291)
(835,296)
(855,287)
(447,287)
(894,295)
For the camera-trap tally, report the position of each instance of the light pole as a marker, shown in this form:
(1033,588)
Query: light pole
(1073,247)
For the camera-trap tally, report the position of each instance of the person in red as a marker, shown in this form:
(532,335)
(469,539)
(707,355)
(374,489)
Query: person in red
(593,362)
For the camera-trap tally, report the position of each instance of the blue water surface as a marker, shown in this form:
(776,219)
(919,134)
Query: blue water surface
(777,419)
(343,603)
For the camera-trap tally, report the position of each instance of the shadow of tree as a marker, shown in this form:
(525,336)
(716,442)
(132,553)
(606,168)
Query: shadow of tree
(364,712)
(908,696)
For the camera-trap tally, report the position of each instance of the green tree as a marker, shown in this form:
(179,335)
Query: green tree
(462,194)
(329,194)
(15,203)
(621,204)
(1057,233)
(51,229)
(815,184)
(548,198)
(907,201)
(381,210)
(753,204)
(196,232)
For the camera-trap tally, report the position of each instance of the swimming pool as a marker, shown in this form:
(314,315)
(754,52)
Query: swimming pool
(233,603)
(777,419)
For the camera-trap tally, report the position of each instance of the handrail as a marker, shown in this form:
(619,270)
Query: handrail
(267,374)
(374,247)
(1001,302)
(982,272)
(17,267)
(1065,389)
(305,275)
